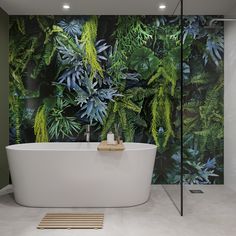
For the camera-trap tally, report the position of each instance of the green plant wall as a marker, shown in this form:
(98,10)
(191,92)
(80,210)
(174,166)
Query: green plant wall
(107,71)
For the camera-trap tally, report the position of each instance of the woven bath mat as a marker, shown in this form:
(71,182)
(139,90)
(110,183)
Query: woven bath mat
(72,221)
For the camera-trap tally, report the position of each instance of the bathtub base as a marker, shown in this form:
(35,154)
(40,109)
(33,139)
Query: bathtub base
(79,205)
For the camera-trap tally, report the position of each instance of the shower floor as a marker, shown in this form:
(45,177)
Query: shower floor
(211,213)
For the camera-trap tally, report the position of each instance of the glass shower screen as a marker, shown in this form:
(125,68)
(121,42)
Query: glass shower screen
(170,157)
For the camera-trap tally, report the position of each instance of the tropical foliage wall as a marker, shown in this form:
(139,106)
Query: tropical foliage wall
(121,73)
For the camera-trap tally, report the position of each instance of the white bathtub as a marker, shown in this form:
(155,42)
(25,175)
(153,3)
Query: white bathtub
(77,175)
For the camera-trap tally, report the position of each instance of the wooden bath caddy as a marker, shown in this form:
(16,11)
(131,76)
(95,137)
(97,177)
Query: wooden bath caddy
(103,146)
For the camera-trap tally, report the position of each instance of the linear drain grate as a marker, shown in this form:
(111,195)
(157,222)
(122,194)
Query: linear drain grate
(72,221)
(196,191)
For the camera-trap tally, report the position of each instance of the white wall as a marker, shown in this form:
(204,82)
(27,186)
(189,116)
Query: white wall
(230,105)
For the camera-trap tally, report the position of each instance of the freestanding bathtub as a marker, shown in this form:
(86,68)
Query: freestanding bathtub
(77,175)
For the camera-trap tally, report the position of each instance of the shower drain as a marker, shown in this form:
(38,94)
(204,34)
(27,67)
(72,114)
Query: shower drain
(196,191)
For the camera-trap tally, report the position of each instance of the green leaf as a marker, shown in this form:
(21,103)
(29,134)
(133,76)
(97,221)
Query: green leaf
(21,25)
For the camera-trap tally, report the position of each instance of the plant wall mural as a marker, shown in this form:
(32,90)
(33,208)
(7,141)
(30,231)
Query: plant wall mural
(121,71)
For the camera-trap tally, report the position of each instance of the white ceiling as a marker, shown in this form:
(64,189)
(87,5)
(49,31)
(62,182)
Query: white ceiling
(113,7)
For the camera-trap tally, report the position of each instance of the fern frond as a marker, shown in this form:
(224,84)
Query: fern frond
(21,25)
(40,125)
(169,131)
(109,122)
(132,33)
(167,70)
(43,23)
(200,79)
(88,38)
(139,93)
(123,118)
(130,105)
(14,107)
(154,124)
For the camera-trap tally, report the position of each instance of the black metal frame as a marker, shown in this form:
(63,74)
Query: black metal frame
(182,86)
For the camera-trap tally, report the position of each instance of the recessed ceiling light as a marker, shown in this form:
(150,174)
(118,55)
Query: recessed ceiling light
(162,6)
(66,6)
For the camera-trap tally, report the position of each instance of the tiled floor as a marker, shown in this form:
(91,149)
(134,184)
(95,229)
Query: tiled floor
(210,214)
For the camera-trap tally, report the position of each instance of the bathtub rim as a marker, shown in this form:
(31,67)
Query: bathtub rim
(27,147)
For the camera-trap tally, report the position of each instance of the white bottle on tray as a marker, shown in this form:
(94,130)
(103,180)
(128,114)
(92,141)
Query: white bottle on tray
(110,138)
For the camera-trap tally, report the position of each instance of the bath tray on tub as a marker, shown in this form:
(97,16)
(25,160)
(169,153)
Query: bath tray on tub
(72,221)
(103,146)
